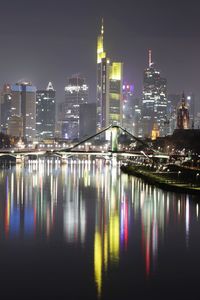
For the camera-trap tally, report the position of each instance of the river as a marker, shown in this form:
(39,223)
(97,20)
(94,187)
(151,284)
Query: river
(85,230)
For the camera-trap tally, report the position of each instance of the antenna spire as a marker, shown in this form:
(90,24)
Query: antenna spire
(150,57)
(102,27)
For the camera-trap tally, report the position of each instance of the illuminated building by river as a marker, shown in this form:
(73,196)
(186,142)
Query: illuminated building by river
(109,87)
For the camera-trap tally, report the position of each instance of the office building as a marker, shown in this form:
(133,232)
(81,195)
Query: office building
(6,111)
(154,101)
(109,87)
(173,102)
(23,104)
(137,120)
(45,112)
(128,107)
(76,93)
(87,119)
(15,126)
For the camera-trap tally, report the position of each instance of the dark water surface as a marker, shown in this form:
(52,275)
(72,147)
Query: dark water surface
(87,231)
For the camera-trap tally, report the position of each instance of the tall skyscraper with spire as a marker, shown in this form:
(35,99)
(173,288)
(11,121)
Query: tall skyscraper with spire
(154,100)
(109,87)
(46,112)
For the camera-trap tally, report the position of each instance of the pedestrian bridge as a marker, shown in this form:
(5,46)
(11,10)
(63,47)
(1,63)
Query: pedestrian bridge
(113,132)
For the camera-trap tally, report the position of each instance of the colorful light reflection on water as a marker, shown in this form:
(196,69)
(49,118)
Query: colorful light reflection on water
(123,226)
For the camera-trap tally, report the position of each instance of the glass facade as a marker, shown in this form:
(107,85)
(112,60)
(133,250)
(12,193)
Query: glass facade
(154,101)
(109,88)
(6,112)
(45,112)
(24,105)
(76,93)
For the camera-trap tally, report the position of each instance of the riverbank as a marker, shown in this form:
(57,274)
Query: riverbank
(177,181)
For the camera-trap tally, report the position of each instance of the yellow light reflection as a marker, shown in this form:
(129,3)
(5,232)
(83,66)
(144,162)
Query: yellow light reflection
(98,262)
(114,238)
(105,250)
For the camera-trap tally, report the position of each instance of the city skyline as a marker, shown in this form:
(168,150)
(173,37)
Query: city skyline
(51,51)
(99,149)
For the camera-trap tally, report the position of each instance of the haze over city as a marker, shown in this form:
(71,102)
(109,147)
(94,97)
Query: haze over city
(50,40)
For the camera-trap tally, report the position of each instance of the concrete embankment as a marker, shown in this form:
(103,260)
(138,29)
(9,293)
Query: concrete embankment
(162,180)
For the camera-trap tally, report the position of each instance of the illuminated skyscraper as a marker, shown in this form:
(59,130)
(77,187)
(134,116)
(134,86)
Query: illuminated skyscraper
(76,93)
(154,101)
(45,112)
(109,87)
(128,107)
(15,126)
(6,111)
(115,93)
(24,105)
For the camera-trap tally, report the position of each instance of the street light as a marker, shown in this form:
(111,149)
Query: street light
(197,177)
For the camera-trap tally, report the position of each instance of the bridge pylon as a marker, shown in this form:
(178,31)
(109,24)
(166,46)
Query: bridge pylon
(114,138)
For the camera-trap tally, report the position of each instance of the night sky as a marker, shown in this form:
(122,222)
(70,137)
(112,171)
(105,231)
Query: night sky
(50,40)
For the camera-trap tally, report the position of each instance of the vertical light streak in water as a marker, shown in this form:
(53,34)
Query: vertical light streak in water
(99,245)
(122,224)
(187,220)
(74,210)
(35,218)
(132,190)
(114,226)
(18,184)
(148,245)
(48,222)
(119,183)
(106,174)
(124,211)
(51,186)
(155,229)
(106,214)
(126,224)
(167,208)
(41,201)
(82,221)
(197,211)
(122,214)
(179,208)
(114,237)
(142,197)
(98,262)
(48,168)
(22,190)
(26,198)
(144,241)
(106,241)
(89,170)
(152,221)
(56,190)
(7,209)
(12,191)
(154,240)
(105,248)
